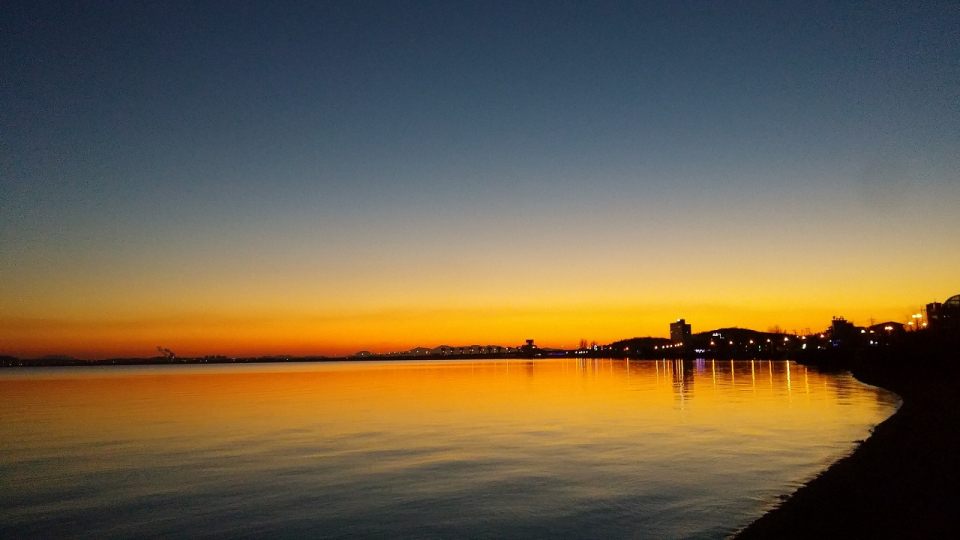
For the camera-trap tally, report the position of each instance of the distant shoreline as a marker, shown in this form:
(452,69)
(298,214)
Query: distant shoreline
(738,344)
(901,481)
(41,362)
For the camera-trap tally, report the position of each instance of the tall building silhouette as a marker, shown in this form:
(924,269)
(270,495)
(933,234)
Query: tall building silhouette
(680,331)
(945,315)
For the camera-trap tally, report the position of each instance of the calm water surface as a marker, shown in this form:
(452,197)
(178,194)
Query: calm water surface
(462,449)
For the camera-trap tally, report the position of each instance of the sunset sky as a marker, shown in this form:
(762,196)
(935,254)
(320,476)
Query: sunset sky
(248,178)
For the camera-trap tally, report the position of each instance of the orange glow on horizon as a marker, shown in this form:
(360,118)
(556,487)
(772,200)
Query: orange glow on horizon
(388,330)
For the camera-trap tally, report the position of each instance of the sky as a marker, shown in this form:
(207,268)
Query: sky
(248,178)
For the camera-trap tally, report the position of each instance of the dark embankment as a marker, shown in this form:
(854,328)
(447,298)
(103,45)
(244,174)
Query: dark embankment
(904,480)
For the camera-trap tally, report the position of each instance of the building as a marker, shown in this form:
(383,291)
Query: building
(888,328)
(945,315)
(885,333)
(680,331)
(529,349)
(842,331)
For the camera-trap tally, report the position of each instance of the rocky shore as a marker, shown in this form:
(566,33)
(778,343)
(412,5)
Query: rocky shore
(902,482)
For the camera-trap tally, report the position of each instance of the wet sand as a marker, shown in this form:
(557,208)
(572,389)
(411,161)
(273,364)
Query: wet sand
(901,482)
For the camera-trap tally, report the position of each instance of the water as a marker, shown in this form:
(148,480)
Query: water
(463,449)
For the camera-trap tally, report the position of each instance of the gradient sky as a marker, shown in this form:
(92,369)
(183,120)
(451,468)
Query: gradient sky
(251,178)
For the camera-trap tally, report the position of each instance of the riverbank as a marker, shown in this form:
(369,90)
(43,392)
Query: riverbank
(903,480)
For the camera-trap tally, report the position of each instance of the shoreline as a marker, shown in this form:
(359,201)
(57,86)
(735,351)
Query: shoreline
(901,481)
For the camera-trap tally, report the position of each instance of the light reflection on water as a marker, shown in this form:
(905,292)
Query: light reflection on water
(460,449)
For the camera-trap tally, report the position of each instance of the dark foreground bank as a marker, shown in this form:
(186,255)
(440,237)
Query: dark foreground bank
(904,480)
